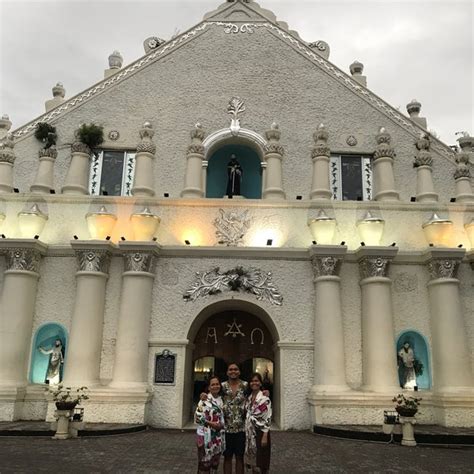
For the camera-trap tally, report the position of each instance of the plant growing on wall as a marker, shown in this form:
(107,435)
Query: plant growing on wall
(91,135)
(46,134)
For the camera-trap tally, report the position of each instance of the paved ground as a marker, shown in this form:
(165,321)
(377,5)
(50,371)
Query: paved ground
(166,451)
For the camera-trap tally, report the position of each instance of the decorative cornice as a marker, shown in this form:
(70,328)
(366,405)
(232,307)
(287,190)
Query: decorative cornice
(93,260)
(290,38)
(22,259)
(139,261)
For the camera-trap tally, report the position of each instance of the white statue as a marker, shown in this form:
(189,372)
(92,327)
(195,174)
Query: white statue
(406,356)
(53,373)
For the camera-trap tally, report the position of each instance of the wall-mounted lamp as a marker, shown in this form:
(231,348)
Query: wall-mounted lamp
(144,224)
(31,222)
(322,228)
(469,227)
(370,229)
(100,224)
(437,230)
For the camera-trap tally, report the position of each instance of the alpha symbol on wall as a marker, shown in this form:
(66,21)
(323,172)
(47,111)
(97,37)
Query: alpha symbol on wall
(256,330)
(234,330)
(211,334)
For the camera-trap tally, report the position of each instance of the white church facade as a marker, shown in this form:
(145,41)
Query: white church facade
(233,196)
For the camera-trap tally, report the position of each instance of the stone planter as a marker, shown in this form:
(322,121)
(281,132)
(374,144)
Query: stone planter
(404,411)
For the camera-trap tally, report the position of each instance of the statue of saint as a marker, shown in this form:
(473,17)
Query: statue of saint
(406,360)
(234,177)
(56,358)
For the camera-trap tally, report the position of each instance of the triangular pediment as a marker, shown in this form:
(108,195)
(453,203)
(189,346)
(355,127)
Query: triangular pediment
(247,18)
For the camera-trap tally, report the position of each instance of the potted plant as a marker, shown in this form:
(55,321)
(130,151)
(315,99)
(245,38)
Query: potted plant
(67,399)
(406,406)
(46,134)
(91,135)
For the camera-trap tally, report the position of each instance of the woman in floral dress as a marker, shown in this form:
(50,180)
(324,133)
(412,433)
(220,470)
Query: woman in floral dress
(257,427)
(210,433)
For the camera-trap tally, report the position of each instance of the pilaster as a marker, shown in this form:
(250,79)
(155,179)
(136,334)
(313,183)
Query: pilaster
(143,184)
(384,181)
(77,177)
(424,171)
(193,187)
(7,158)
(320,154)
(274,156)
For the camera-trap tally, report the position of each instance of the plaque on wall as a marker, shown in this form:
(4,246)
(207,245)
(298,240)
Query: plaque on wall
(165,368)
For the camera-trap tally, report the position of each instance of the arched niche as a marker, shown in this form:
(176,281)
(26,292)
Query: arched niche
(45,337)
(248,147)
(420,348)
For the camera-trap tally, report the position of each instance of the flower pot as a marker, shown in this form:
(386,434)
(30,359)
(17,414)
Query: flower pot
(66,405)
(405,411)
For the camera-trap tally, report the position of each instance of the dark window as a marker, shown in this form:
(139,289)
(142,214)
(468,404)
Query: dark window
(351,175)
(112,173)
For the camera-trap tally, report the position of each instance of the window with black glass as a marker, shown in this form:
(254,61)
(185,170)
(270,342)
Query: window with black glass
(111,173)
(351,177)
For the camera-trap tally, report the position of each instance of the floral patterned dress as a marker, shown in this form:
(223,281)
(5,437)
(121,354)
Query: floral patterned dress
(257,422)
(210,442)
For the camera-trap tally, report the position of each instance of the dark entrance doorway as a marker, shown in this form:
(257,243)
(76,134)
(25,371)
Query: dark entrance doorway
(232,337)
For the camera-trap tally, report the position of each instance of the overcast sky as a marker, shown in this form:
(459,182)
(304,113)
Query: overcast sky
(410,49)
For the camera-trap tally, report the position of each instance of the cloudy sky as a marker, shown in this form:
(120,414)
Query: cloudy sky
(421,49)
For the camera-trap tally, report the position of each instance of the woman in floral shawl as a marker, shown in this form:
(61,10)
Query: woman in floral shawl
(210,433)
(257,427)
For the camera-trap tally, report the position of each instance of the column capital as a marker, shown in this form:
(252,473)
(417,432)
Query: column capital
(146,144)
(443,262)
(22,254)
(423,155)
(139,257)
(374,261)
(326,260)
(384,148)
(93,255)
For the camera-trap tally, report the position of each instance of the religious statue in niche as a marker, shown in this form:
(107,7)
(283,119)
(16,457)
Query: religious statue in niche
(56,359)
(409,367)
(234,177)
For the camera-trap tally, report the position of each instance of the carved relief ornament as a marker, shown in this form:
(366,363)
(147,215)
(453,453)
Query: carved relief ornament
(231,227)
(443,268)
(139,262)
(326,266)
(22,259)
(95,260)
(374,267)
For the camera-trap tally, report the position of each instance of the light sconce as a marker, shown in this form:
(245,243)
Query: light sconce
(438,231)
(469,227)
(32,222)
(322,228)
(371,229)
(144,224)
(100,224)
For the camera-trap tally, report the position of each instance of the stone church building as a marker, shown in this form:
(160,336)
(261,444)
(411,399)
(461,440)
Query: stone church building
(233,196)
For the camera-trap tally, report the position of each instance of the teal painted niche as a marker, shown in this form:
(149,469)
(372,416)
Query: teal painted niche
(420,349)
(216,183)
(45,337)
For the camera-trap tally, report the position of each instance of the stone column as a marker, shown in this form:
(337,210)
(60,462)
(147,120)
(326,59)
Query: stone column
(462,175)
(320,187)
(77,178)
(379,354)
(85,341)
(384,181)
(131,349)
(424,172)
(44,180)
(205,165)
(451,358)
(193,185)
(143,183)
(18,300)
(7,158)
(273,156)
(329,361)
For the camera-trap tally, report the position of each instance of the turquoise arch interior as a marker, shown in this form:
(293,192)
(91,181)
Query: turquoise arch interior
(216,183)
(420,348)
(45,337)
